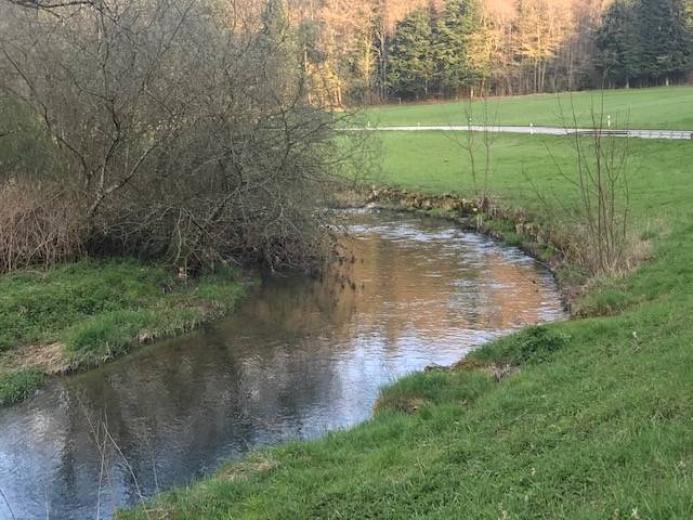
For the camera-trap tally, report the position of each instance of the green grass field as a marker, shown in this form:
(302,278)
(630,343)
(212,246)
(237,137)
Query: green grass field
(83,314)
(661,178)
(596,422)
(669,108)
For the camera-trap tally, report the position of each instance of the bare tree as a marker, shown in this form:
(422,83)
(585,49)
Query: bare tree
(181,136)
(480,139)
(50,4)
(597,215)
(604,193)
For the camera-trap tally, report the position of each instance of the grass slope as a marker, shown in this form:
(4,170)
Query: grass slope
(86,313)
(594,420)
(655,108)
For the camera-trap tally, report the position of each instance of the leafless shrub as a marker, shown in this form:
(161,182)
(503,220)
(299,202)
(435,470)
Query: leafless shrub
(477,144)
(37,227)
(480,137)
(186,136)
(592,228)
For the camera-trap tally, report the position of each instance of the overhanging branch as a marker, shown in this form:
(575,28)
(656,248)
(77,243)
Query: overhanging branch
(50,4)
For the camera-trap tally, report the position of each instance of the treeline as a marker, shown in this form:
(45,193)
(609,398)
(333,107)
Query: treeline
(177,130)
(645,42)
(371,51)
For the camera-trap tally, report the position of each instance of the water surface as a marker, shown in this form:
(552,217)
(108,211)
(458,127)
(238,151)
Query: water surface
(301,357)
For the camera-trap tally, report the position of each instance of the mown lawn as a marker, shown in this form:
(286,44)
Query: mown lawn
(83,314)
(594,420)
(653,108)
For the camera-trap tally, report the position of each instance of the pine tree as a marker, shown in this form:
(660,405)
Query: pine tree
(618,45)
(411,65)
(688,21)
(451,48)
(664,42)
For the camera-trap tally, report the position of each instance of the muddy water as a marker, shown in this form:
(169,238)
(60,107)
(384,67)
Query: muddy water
(300,358)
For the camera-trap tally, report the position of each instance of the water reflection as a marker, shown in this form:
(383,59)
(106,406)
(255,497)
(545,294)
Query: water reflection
(301,357)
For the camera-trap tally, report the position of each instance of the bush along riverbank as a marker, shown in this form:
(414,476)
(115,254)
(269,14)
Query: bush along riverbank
(83,314)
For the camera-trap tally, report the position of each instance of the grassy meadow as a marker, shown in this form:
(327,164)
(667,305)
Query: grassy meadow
(84,314)
(660,176)
(663,108)
(592,418)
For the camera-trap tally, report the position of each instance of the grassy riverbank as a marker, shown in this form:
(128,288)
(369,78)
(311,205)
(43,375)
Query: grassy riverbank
(653,108)
(585,419)
(84,314)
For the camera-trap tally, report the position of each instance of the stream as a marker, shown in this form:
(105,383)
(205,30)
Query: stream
(299,358)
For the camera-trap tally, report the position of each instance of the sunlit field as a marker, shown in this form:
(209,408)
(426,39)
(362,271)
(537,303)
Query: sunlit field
(669,108)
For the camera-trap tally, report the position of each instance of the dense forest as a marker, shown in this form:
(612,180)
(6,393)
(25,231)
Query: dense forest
(388,50)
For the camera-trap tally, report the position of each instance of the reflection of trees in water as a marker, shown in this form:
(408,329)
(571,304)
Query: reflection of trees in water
(519,295)
(410,286)
(151,413)
(385,287)
(215,401)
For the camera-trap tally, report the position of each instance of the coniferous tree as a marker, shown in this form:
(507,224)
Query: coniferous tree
(275,22)
(664,45)
(688,21)
(412,65)
(451,47)
(618,45)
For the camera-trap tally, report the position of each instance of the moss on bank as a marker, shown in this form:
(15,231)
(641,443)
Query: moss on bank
(84,314)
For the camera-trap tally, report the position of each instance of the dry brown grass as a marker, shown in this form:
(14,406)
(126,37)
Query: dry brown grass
(37,226)
(49,359)
(254,464)
(409,405)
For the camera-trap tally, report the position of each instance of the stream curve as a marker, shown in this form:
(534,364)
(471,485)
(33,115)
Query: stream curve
(301,357)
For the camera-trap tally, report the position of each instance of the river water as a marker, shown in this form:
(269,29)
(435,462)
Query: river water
(301,357)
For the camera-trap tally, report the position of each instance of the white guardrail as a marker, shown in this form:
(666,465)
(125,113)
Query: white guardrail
(675,135)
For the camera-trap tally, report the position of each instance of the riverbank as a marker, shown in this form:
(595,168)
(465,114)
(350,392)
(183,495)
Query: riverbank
(84,314)
(589,418)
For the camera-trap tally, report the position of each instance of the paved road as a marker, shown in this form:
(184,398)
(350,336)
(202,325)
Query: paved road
(676,135)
